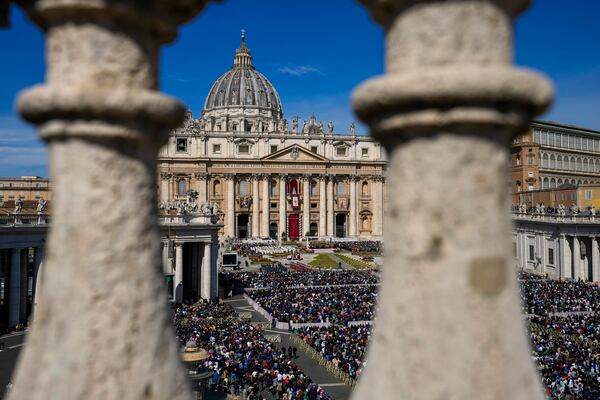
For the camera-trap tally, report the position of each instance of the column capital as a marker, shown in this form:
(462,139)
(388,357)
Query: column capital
(449,81)
(229,176)
(385,11)
(87,93)
(201,175)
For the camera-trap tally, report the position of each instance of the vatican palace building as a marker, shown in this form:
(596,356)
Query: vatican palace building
(267,177)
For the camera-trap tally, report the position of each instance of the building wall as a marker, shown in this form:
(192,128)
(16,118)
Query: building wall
(25,187)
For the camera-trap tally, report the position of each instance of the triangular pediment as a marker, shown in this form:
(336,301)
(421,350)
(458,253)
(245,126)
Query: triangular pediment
(295,153)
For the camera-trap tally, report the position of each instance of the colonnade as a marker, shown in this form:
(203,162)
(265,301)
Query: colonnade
(325,198)
(19,285)
(200,277)
(565,255)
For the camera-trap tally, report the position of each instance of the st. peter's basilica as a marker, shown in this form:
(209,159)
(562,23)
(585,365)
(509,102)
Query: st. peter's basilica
(267,177)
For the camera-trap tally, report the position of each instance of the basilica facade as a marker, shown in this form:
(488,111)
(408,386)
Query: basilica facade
(268,177)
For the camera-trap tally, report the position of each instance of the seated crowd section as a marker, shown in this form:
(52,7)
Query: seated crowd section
(240,358)
(329,313)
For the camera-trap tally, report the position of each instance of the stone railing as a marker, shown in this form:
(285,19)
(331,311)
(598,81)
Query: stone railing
(17,219)
(557,218)
(446,110)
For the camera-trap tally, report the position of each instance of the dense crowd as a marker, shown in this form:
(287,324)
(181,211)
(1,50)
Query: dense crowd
(543,296)
(568,364)
(328,304)
(240,358)
(258,247)
(280,278)
(362,246)
(344,346)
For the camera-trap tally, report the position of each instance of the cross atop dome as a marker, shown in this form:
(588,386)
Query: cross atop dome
(243,57)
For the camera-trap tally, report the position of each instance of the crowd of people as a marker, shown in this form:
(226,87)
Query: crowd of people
(240,358)
(543,296)
(344,346)
(335,304)
(282,277)
(357,246)
(258,247)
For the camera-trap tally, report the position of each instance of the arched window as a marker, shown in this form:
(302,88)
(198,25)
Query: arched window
(597,166)
(545,183)
(181,187)
(552,183)
(559,162)
(579,164)
(365,188)
(314,188)
(552,161)
(586,165)
(217,188)
(572,164)
(340,187)
(244,187)
(545,161)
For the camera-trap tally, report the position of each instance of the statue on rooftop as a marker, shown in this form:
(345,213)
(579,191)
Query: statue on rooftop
(353,129)
(18,205)
(41,205)
(330,127)
(295,125)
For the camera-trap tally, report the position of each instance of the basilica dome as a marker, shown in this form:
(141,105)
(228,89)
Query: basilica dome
(243,92)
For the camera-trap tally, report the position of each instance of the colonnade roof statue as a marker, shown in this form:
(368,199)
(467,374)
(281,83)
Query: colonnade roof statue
(244,92)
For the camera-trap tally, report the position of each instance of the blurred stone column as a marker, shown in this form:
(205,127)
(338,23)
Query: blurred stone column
(448,323)
(102,329)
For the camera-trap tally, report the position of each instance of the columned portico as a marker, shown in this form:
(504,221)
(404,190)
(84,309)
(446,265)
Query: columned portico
(378,206)
(17,305)
(330,204)
(255,207)
(282,205)
(322,206)
(567,258)
(352,207)
(178,282)
(305,205)
(230,221)
(206,274)
(576,258)
(264,228)
(595,259)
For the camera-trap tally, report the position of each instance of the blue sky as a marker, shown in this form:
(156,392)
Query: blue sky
(314,52)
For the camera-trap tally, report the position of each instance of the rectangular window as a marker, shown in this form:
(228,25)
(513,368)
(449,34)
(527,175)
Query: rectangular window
(531,253)
(217,148)
(365,152)
(536,136)
(588,194)
(340,151)
(273,148)
(314,205)
(551,256)
(314,149)
(243,149)
(181,145)
(514,250)
(273,205)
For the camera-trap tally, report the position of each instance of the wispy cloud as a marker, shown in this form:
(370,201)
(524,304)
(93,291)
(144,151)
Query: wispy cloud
(21,151)
(299,70)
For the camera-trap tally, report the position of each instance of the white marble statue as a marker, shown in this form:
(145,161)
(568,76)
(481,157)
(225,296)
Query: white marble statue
(18,205)
(330,127)
(41,206)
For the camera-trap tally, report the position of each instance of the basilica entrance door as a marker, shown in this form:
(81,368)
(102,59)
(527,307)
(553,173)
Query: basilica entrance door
(294,227)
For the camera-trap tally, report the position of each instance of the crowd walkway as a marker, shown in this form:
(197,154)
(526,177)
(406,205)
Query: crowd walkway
(337,389)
